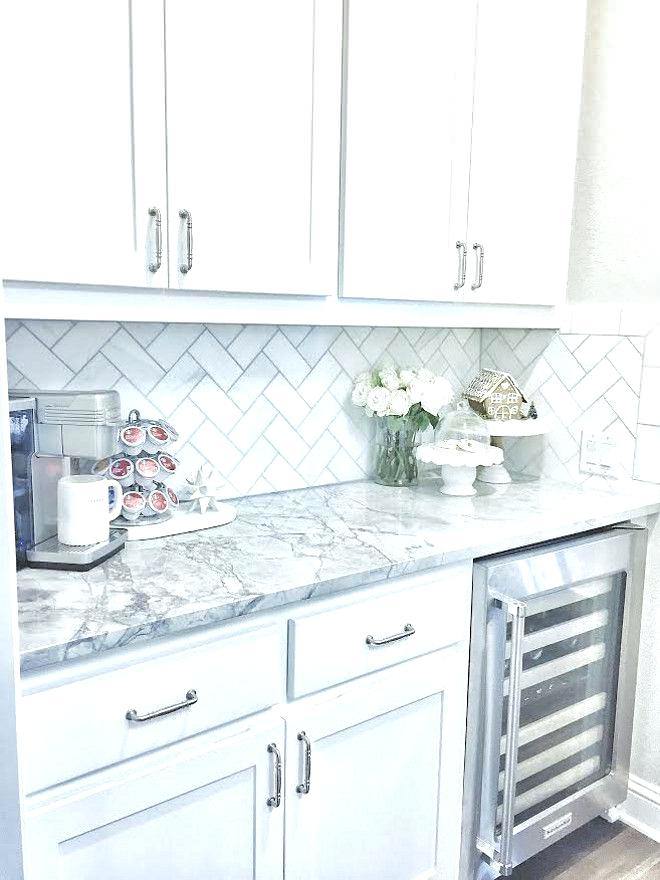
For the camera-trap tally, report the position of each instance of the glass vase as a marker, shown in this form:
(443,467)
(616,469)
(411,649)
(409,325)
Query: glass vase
(395,462)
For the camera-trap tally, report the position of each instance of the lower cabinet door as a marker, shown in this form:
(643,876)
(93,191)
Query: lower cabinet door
(194,813)
(374,775)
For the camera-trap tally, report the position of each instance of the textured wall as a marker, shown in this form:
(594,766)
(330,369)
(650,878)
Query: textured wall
(269,407)
(614,246)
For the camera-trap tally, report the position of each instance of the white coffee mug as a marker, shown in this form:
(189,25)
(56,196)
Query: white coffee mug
(85,506)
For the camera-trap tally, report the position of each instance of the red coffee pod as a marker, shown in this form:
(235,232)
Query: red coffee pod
(147,467)
(174,498)
(133,436)
(133,505)
(158,501)
(158,434)
(121,468)
(167,463)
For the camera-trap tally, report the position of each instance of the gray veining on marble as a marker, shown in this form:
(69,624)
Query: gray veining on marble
(292,546)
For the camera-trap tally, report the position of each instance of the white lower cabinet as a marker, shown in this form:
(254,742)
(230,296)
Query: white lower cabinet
(361,780)
(374,775)
(191,813)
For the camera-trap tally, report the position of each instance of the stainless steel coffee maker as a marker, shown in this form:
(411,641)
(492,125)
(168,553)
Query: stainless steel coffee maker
(55,434)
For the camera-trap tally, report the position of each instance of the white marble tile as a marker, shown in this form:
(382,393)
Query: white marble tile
(281,475)
(318,418)
(38,364)
(252,424)
(178,383)
(348,356)
(98,373)
(252,382)
(286,441)
(595,384)
(79,344)
(217,406)
(319,379)
(225,333)
(627,360)
(216,448)
(287,360)
(286,400)
(647,454)
(175,339)
(649,403)
(133,361)
(249,342)
(625,403)
(48,331)
(294,333)
(252,465)
(144,332)
(317,342)
(593,349)
(210,355)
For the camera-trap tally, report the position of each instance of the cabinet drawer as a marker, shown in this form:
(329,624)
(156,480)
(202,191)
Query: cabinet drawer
(82,726)
(428,612)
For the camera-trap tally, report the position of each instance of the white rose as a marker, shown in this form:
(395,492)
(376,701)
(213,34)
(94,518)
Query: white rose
(399,403)
(378,399)
(407,377)
(415,391)
(390,379)
(435,395)
(425,375)
(359,395)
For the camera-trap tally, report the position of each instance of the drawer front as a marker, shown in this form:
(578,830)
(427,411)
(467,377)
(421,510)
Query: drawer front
(82,726)
(428,612)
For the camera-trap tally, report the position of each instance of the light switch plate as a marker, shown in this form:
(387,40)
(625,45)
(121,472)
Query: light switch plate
(598,454)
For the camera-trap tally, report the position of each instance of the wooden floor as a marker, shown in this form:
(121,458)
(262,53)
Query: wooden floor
(599,851)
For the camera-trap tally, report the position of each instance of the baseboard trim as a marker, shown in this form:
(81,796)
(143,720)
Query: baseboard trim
(641,809)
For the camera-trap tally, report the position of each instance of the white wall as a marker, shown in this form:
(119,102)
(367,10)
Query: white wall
(614,252)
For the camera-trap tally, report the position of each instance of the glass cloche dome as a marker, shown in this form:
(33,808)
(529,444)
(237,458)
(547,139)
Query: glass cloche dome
(462,429)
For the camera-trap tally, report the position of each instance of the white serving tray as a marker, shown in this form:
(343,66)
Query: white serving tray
(181,523)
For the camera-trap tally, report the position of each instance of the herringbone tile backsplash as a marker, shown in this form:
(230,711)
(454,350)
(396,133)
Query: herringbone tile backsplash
(269,407)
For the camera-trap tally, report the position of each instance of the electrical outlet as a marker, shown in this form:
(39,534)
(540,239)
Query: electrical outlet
(598,454)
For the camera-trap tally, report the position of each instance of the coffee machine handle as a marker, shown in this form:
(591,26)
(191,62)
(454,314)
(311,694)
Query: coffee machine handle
(115,498)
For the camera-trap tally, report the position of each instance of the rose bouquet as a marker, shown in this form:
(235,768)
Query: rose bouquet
(405,402)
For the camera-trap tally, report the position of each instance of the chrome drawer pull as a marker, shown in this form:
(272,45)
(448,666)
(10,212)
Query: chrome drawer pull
(479,280)
(304,787)
(157,263)
(190,700)
(184,268)
(462,264)
(276,799)
(408,630)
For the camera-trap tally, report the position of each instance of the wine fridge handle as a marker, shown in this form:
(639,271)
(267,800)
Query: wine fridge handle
(517,610)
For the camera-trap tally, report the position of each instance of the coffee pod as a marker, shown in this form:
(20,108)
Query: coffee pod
(157,503)
(173,498)
(146,471)
(123,471)
(171,430)
(133,505)
(132,439)
(100,468)
(168,465)
(157,438)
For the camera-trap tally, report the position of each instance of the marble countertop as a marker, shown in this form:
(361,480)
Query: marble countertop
(291,546)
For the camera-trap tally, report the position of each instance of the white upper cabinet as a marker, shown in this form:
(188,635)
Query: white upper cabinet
(408,97)
(253,112)
(84,159)
(524,144)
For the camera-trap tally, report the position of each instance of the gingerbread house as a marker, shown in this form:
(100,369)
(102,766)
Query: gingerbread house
(496,395)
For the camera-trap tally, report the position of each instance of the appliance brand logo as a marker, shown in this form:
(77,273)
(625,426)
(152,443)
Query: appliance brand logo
(557,826)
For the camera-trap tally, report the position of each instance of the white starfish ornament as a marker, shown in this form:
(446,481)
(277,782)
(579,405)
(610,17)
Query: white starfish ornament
(205,489)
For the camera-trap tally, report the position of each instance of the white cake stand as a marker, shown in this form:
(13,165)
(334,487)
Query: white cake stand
(458,468)
(498,474)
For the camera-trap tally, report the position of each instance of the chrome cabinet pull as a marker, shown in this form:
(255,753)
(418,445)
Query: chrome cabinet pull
(408,630)
(276,799)
(190,700)
(157,263)
(184,268)
(479,251)
(303,787)
(461,247)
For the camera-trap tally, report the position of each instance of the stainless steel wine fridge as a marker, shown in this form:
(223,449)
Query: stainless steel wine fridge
(553,667)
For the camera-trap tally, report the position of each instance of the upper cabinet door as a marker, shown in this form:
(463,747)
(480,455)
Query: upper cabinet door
(84,159)
(408,103)
(253,110)
(526,114)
